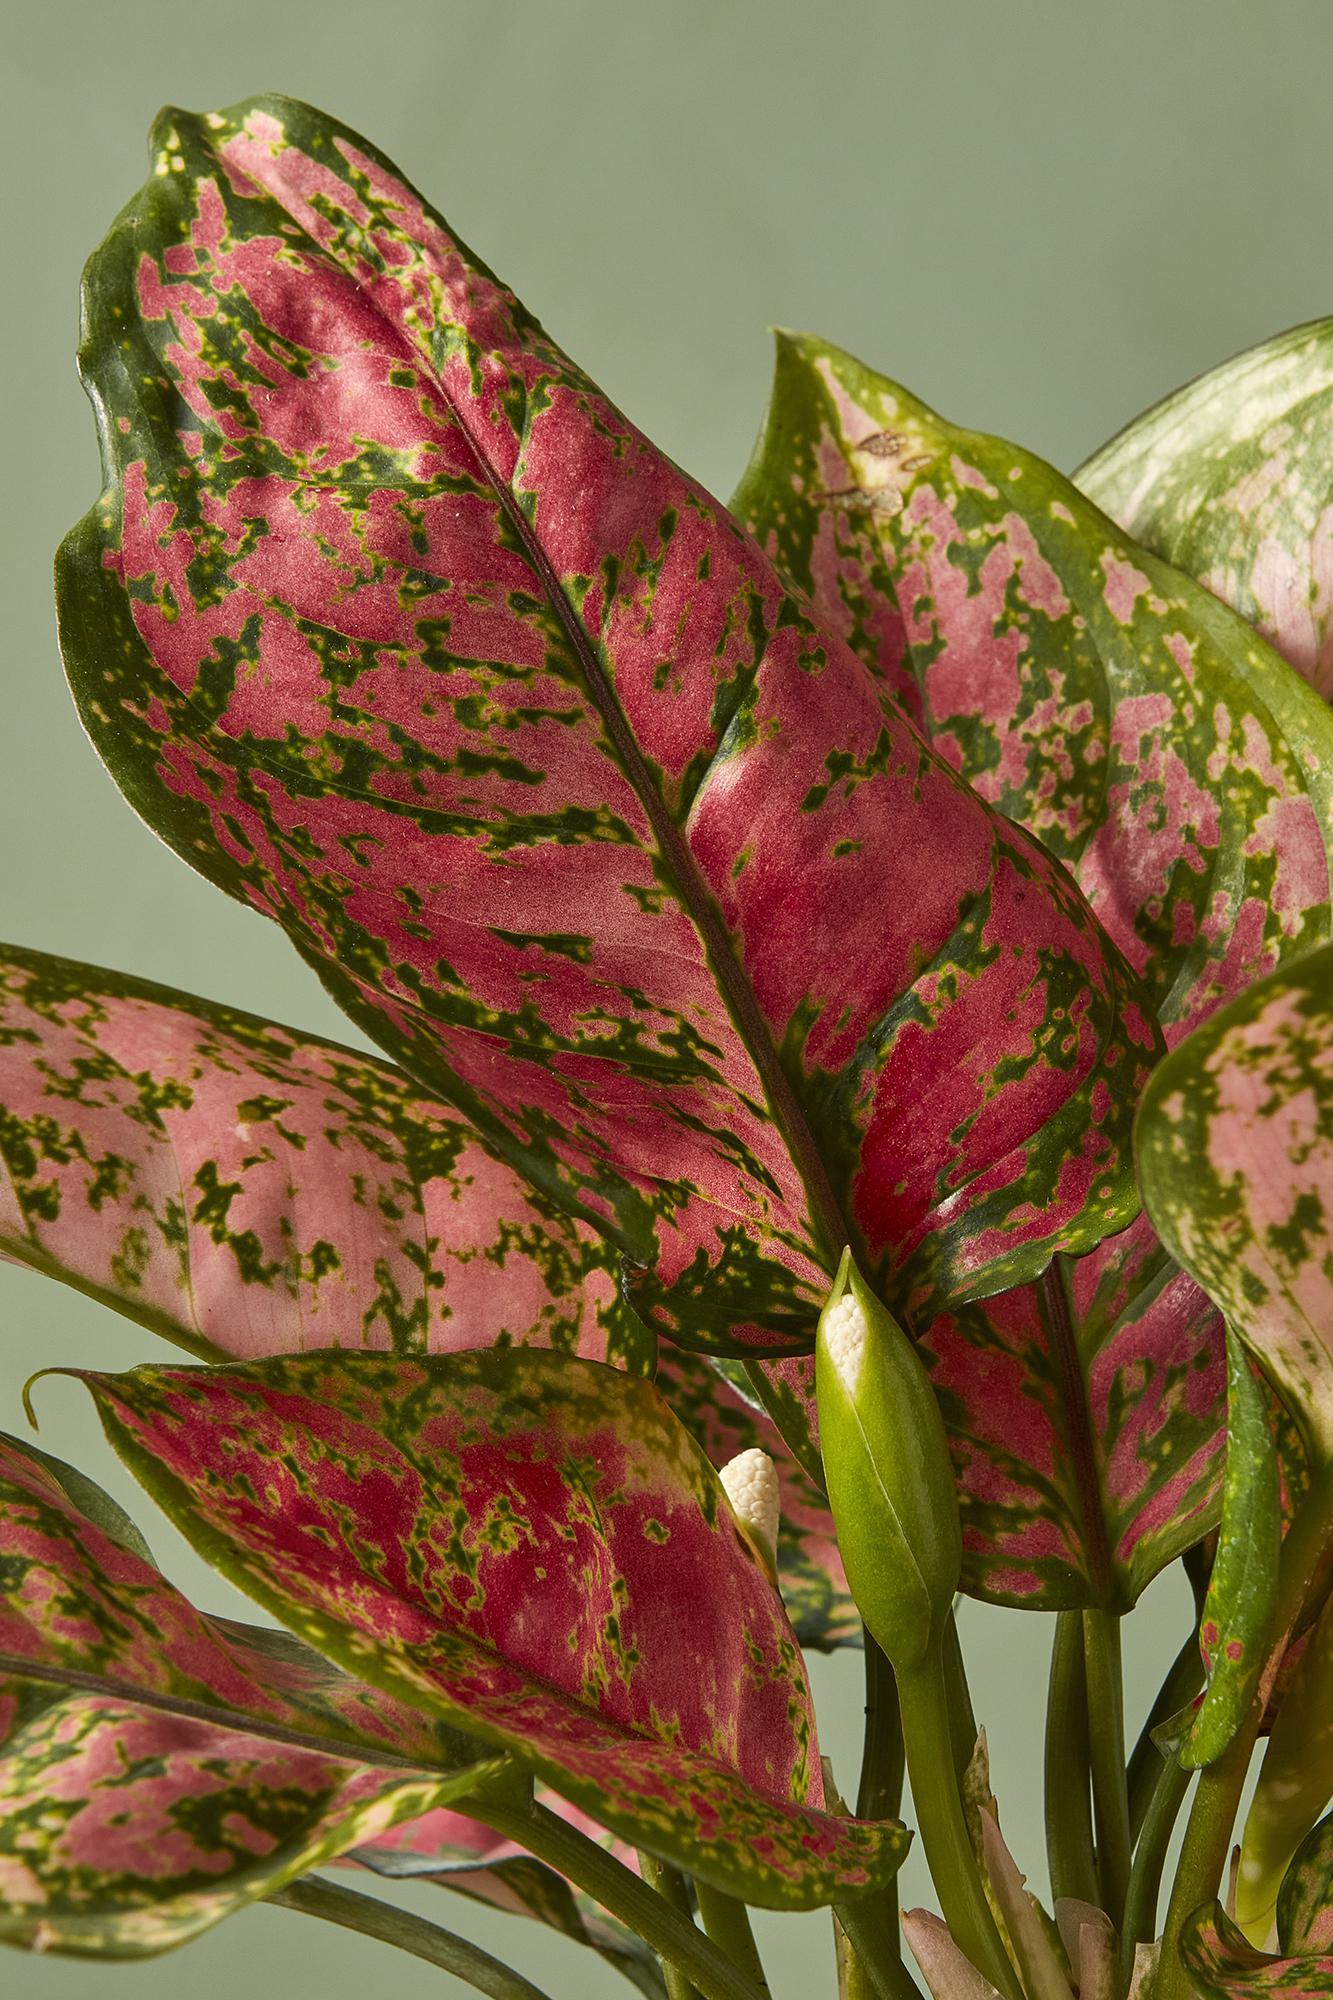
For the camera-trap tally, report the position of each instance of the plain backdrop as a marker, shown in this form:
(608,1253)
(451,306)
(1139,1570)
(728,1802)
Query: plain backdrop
(1041,216)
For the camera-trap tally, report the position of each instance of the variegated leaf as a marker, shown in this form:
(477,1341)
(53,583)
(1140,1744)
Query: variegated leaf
(1090,691)
(1235,1151)
(1231,478)
(1185,777)
(1305,1900)
(160,1769)
(1224,1965)
(82,1606)
(392,625)
(466,1857)
(530,1547)
(247,1190)
(126,1830)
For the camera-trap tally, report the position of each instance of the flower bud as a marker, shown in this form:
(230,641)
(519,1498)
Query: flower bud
(750,1482)
(887,1467)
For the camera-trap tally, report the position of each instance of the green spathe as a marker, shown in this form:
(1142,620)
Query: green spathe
(886,1462)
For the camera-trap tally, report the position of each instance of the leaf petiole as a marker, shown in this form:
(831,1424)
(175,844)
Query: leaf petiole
(312,1897)
(1106,1744)
(1069,1849)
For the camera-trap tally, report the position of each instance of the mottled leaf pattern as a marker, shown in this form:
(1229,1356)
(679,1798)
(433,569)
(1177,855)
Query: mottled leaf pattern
(466,1857)
(1184,776)
(1235,1150)
(399,631)
(1086,688)
(528,1546)
(1305,1901)
(1224,1965)
(725,1421)
(125,1830)
(247,1190)
(82,1605)
(1231,478)
(160,1768)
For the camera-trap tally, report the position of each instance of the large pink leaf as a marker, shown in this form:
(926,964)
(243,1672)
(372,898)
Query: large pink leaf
(398,630)
(248,1190)
(1183,774)
(530,1547)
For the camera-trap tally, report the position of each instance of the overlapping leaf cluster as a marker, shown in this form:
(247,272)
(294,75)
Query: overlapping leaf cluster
(724,888)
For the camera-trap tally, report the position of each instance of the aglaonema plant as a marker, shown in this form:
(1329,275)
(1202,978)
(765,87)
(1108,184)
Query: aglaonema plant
(855,1124)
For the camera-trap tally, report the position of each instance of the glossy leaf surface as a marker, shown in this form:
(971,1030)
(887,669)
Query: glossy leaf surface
(1183,775)
(1089,690)
(1235,1630)
(160,1768)
(391,624)
(1231,479)
(83,1605)
(247,1190)
(531,1548)
(1235,1148)
(126,1830)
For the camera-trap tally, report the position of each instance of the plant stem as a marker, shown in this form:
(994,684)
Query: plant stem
(670,1883)
(939,1813)
(1184,1678)
(1106,1746)
(1217,1800)
(1069,1848)
(476,1968)
(1145,1877)
(619,1890)
(962,1719)
(727,1922)
(869,1945)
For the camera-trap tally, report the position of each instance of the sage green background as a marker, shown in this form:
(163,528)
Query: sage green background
(1042,216)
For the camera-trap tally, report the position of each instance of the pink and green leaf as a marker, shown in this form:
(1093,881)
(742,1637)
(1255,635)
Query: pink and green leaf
(126,1830)
(1235,1152)
(244,1189)
(1086,688)
(1223,1963)
(394,627)
(530,1548)
(1183,774)
(1295,1781)
(160,1769)
(1231,479)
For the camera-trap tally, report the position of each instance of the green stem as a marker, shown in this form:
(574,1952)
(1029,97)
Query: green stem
(727,1922)
(1145,1877)
(1106,1746)
(619,1890)
(1184,1678)
(962,1720)
(877,1957)
(355,1912)
(670,1883)
(1212,1817)
(939,1813)
(869,1945)
(1069,1848)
